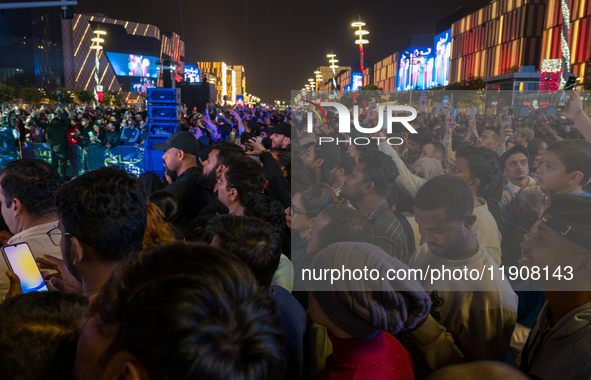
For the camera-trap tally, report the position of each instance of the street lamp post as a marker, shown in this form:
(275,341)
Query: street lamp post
(333,66)
(318,79)
(361,41)
(96,46)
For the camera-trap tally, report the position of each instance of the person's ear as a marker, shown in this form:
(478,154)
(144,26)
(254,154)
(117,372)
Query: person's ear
(469,221)
(576,178)
(474,183)
(77,250)
(318,163)
(219,170)
(232,195)
(16,206)
(180,155)
(504,172)
(368,187)
(341,172)
(124,366)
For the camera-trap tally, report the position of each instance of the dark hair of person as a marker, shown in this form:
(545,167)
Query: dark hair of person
(379,169)
(189,310)
(196,230)
(284,156)
(574,154)
(346,224)
(255,128)
(33,182)
(315,199)
(534,146)
(167,202)
(254,241)
(438,148)
(300,177)
(244,174)
(496,132)
(264,207)
(483,164)
(106,209)
(446,192)
(422,137)
(346,162)
(245,137)
(38,335)
(227,152)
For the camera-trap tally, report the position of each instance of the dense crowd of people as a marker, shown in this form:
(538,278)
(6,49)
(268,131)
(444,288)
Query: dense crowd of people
(200,273)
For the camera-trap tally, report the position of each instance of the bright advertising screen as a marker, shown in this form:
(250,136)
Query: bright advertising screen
(192,74)
(141,84)
(415,69)
(441,59)
(356,81)
(131,65)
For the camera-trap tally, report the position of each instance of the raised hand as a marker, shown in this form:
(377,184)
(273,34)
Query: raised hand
(63,281)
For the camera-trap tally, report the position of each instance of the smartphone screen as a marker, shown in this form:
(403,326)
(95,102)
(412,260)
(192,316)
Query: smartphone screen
(569,85)
(445,100)
(20,260)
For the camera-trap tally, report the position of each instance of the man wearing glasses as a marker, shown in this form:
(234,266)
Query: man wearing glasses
(27,192)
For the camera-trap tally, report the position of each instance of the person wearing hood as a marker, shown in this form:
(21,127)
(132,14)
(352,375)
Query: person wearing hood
(559,345)
(362,316)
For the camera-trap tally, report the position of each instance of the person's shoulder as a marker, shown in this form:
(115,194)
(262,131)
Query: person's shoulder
(286,302)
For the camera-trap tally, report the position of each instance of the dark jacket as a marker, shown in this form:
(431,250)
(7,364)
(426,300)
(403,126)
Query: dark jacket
(56,132)
(192,197)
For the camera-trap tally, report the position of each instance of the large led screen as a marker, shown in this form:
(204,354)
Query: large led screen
(134,65)
(415,69)
(192,74)
(356,81)
(441,58)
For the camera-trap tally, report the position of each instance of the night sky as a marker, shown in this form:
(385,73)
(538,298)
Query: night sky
(280,43)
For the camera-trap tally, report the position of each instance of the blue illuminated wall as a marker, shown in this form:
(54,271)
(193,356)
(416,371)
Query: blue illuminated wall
(133,65)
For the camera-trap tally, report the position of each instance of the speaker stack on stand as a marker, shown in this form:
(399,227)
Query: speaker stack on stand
(164,115)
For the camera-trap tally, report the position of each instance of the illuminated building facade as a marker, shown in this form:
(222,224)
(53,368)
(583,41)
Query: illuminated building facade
(384,73)
(127,60)
(496,38)
(225,78)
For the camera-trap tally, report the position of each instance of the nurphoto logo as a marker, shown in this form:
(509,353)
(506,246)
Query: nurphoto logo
(345,123)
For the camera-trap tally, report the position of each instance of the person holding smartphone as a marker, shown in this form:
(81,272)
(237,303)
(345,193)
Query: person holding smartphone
(27,192)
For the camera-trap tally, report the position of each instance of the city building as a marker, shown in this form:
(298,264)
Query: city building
(128,61)
(31,46)
(227,81)
(497,39)
(384,73)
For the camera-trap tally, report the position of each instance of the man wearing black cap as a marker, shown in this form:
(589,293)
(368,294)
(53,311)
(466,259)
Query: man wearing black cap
(280,135)
(180,158)
(559,345)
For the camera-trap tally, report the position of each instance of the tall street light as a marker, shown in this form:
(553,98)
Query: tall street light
(96,46)
(333,65)
(318,79)
(361,41)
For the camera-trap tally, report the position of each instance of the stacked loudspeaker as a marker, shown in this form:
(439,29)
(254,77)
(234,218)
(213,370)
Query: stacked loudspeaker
(164,114)
(164,111)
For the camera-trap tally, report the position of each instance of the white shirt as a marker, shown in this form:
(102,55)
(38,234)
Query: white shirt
(470,319)
(40,244)
(486,231)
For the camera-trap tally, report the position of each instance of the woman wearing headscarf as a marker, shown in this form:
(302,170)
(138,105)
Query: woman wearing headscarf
(426,167)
